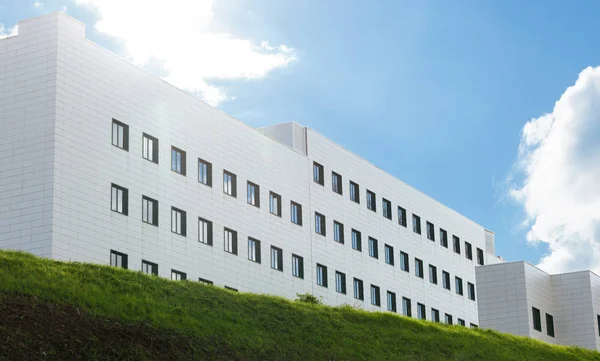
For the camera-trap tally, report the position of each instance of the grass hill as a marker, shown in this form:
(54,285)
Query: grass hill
(71,311)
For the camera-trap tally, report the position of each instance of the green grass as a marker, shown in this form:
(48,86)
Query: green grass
(255,327)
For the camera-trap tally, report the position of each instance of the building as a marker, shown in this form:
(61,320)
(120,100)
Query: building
(102,162)
(519,298)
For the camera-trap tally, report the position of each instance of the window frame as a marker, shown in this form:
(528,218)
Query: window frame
(468,251)
(435,315)
(550,325)
(338,232)
(275,198)
(455,244)
(356,240)
(297,266)
(321,275)
(151,156)
(276,258)
(154,267)
(318,173)
(182,160)
(296,214)
(448,320)
(230,243)
(114,199)
(402,217)
(419,268)
(386,207)
(391,301)
(430,230)
(471,291)
(406,307)
(320,224)
(537,321)
(183,220)
(253,194)
(124,259)
(421,311)
(375,295)
(404,262)
(254,253)
(354,192)
(446,281)
(207,173)
(433,274)
(208,237)
(371,201)
(389,254)
(373,248)
(125,135)
(229,183)
(458,286)
(336,183)
(358,287)
(182,275)
(205,281)
(480,257)
(146,201)
(416,224)
(340,282)
(443,238)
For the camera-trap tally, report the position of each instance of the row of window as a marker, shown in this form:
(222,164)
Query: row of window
(336,186)
(537,322)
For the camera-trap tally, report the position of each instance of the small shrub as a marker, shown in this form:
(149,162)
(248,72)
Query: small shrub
(309,298)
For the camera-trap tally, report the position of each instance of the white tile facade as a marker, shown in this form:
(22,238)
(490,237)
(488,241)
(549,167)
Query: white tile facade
(58,96)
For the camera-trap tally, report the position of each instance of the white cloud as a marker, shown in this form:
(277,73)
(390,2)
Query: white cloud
(64,8)
(4,33)
(559,159)
(178,33)
(39,5)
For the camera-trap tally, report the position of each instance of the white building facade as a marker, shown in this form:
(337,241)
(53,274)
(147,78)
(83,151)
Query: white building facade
(102,162)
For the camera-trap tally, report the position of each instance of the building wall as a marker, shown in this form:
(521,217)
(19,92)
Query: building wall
(539,295)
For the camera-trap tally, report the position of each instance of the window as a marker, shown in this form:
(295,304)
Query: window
(373,248)
(336,183)
(276,258)
(119,202)
(275,204)
(375,296)
(389,254)
(461,322)
(387,208)
(358,290)
(205,232)
(230,241)
(318,174)
(443,238)
(178,276)
(480,256)
(296,212)
(472,325)
(120,135)
(178,221)
(418,268)
(338,232)
(149,211)
(321,275)
(448,319)
(229,183)
(435,315)
(401,216)
(416,224)
(297,266)
(205,281)
(204,172)
(371,201)
(149,268)
(598,319)
(391,301)
(253,194)
(177,160)
(456,244)
(404,265)
(254,250)
(550,325)
(340,282)
(320,226)
(430,231)
(356,240)
(468,251)
(150,148)
(421,311)
(354,192)
(446,280)
(433,274)
(471,291)
(537,319)
(118,259)
(458,285)
(406,308)
(231,289)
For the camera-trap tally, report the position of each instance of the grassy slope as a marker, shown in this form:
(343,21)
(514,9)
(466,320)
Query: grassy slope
(254,327)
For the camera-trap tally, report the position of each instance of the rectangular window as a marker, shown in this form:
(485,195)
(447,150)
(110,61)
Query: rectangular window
(356,240)
(354,192)
(406,307)
(448,319)
(416,224)
(598,319)
(435,315)
(321,275)
(418,268)
(472,325)
(204,172)
(456,244)
(471,291)
(275,204)
(253,194)
(318,173)
(178,160)
(297,266)
(443,238)
(149,268)
(229,183)
(480,256)
(118,259)
(338,232)
(446,280)
(391,301)
(375,296)
(371,201)
(430,231)
(205,281)
(404,263)
(468,251)
(120,135)
(433,274)
(358,289)
(119,199)
(178,276)
(205,231)
(461,322)
(401,216)
(178,222)
(458,285)
(254,250)
(231,289)
(421,311)
(340,282)
(537,319)
(296,213)
(149,148)
(550,325)
(387,208)
(336,183)
(320,225)
(389,254)
(149,211)
(373,248)
(230,241)
(276,258)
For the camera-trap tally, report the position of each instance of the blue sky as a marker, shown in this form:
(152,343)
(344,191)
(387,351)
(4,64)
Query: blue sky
(436,93)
